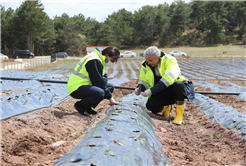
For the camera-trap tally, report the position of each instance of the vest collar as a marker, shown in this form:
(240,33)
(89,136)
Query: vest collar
(102,57)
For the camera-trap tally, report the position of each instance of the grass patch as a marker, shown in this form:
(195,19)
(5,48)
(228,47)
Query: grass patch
(53,65)
(221,50)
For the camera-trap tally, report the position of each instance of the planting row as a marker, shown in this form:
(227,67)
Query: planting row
(16,94)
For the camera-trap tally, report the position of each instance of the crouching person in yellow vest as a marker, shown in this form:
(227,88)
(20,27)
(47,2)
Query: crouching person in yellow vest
(89,81)
(160,79)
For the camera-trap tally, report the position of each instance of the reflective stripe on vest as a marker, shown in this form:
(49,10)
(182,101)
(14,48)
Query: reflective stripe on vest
(145,71)
(76,72)
(167,69)
(168,73)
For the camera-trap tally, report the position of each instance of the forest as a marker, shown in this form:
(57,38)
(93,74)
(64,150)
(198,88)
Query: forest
(196,24)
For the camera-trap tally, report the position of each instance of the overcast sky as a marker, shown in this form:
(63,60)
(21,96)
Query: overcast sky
(97,9)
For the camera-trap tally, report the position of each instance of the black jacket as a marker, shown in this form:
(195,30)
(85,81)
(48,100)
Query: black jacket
(95,68)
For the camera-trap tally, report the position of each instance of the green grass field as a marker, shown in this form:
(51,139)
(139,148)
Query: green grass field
(222,50)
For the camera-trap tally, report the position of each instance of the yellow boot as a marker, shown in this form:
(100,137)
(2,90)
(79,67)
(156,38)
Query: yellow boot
(179,114)
(166,110)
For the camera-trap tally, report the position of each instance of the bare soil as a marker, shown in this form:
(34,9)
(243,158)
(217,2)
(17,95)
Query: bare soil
(42,138)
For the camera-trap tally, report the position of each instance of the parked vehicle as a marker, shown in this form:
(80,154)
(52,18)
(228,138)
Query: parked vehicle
(23,54)
(177,53)
(128,54)
(61,55)
(2,56)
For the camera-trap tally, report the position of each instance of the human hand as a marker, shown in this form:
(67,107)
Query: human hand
(146,93)
(137,91)
(112,101)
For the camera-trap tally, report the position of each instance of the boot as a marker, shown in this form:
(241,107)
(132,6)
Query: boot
(91,111)
(166,110)
(179,114)
(81,110)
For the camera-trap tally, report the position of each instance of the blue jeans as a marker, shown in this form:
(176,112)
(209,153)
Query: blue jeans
(91,95)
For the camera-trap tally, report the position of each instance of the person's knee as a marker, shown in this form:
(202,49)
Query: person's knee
(178,84)
(152,108)
(178,90)
(148,107)
(110,87)
(178,87)
(99,95)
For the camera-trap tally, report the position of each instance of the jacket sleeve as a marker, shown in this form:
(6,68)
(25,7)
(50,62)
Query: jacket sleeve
(160,86)
(95,69)
(143,83)
(105,78)
(171,71)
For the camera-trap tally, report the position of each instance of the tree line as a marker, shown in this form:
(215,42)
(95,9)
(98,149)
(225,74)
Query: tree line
(198,23)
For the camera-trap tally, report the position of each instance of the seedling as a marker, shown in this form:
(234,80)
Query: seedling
(107,152)
(8,146)
(108,122)
(232,127)
(217,136)
(108,129)
(74,135)
(27,134)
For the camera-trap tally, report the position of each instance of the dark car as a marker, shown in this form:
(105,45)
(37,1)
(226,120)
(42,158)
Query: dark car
(61,55)
(23,54)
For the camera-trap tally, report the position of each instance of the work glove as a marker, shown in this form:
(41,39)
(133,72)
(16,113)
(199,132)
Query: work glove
(146,93)
(137,91)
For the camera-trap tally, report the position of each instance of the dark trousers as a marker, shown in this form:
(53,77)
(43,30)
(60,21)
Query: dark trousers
(168,96)
(91,95)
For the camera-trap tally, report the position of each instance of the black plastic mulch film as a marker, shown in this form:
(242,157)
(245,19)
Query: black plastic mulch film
(220,113)
(25,96)
(125,137)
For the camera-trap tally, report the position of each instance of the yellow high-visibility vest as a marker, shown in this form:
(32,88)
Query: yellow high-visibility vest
(168,69)
(80,76)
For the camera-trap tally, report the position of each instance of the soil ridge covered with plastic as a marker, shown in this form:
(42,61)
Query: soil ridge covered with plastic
(44,137)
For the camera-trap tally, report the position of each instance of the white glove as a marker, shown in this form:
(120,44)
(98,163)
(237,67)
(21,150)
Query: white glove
(146,93)
(137,91)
